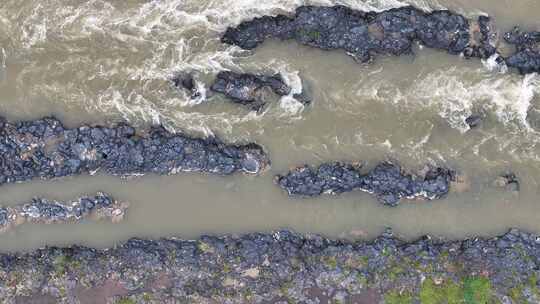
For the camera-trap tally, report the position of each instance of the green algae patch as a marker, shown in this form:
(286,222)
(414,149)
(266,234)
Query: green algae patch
(533,284)
(204,247)
(447,293)
(467,291)
(395,297)
(125,301)
(517,294)
(330,262)
(477,290)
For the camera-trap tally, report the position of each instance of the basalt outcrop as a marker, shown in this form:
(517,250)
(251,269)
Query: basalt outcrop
(46,149)
(282,267)
(387,182)
(249,89)
(364,35)
(43,211)
(185,81)
(527,57)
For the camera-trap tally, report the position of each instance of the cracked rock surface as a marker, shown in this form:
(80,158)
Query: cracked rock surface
(277,268)
(248,89)
(387,182)
(364,35)
(43,211)
(46,149)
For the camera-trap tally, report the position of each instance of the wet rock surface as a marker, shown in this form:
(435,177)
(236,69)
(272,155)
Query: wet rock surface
(509,181)
(46,149)
(364,35)
(387,182)
(278,268)
(43,211)
(473,121)
(248,89)
(186,82)
(527,57)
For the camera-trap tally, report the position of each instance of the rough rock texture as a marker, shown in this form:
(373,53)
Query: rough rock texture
(186,82)
(473,121)
(43,211)
(386,181)
(46,149)
(283,267)
(248,89)
(363,35)
(527,57)
(508,181)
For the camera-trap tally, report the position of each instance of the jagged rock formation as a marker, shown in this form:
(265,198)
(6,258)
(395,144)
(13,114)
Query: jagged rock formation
(248,89)
(43,211)
(527,57)
(386,181)
(473,121)
(45,149)
(186,82)
(282,266)
(364,35)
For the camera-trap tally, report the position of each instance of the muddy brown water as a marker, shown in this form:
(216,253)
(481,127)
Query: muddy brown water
(109,61)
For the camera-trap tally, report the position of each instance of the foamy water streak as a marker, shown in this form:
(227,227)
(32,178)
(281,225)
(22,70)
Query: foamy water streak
(143,44)
(170,35)
(508,96)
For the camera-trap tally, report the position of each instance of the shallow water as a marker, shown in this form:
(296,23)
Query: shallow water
(109,61)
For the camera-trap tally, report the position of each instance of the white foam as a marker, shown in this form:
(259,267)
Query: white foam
(34,28)
(493,65)
(293,80)
(4,59)
(508,96)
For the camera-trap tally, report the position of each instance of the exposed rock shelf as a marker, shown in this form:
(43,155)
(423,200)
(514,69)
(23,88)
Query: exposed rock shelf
(283,266)
(248,89)
(364,35)
(46,149)
(43,211)
(387,182)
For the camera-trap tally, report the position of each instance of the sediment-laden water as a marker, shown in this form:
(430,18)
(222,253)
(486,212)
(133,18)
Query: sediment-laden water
(109,61)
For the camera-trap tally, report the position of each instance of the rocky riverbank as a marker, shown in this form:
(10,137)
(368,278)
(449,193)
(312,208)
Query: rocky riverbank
(364,35)
(387,182)
(46,149)
(282,267)
(43,211)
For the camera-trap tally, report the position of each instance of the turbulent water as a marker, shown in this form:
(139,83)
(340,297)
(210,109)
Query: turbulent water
(107,61)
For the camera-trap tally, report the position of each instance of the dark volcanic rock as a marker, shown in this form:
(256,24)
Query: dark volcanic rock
(386,181)
(282,266)
(363,35)
(509,181)
(186,82)
(527,57)
(43,211)
(484,39)
(248,89)
(473,121)
(46,149)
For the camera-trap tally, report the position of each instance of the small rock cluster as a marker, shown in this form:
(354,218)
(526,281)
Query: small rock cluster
(386,181)
(185,81)
(43,211)
(281,267)
(245,89)
(46,149)
(248,89)
(363,35)
(527,57)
